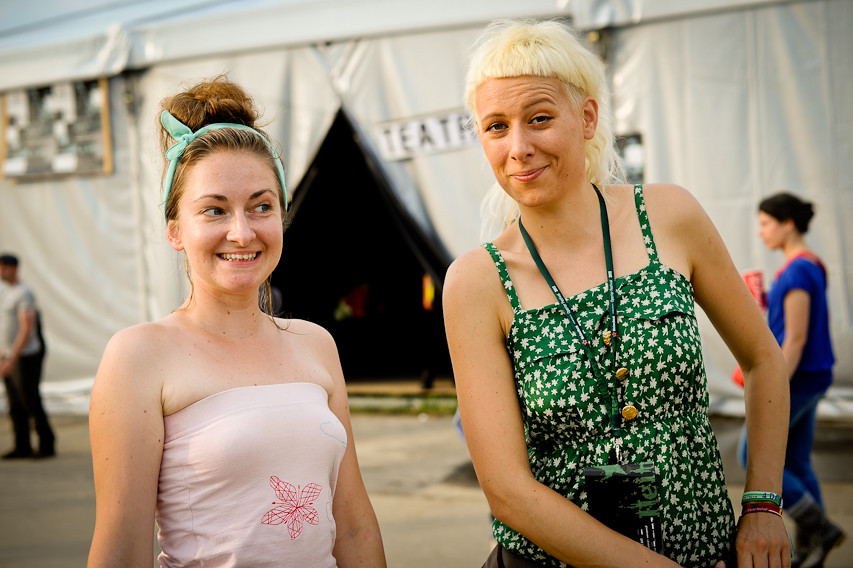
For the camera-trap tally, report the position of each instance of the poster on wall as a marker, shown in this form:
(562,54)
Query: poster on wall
(62,129)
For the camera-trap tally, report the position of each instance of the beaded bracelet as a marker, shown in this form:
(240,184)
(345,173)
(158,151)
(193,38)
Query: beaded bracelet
(761,507)
(750,496)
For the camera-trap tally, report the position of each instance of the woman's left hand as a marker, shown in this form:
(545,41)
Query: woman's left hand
(762,542)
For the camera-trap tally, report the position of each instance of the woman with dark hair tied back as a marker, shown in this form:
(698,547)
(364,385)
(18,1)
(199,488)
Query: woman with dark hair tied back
(575,345)
(798,316)
(227,426)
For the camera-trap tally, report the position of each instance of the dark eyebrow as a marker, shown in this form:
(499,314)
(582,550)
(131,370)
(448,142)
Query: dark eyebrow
(543,99)
(260,192)
(216,196)
(220,197)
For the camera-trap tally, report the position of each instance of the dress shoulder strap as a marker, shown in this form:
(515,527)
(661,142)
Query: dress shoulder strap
(504,274)
(645,227)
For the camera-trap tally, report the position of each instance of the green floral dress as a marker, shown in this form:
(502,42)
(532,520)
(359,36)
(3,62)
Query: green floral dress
(564,406)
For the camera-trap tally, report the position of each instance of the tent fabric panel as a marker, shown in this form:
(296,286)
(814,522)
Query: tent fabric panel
(210,30)
(75,237)
(87,41)
(740,105)
(90,57)
(836,196)
(394,79)
(47,41)
(600,14)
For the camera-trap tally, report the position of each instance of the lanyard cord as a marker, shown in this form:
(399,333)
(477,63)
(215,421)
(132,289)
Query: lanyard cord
(611,289)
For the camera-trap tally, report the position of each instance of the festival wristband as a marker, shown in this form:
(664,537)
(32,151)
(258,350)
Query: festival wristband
(757,507)
(762,496)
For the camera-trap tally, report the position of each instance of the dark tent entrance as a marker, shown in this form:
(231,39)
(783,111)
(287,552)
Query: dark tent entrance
(354,263)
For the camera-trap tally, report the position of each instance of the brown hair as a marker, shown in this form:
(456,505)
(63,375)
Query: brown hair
(784,206)
(213,101)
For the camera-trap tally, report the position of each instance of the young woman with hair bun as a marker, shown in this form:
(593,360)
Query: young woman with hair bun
(228,427)
(798,315)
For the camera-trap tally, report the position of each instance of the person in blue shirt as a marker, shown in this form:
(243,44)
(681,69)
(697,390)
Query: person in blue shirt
(798,316)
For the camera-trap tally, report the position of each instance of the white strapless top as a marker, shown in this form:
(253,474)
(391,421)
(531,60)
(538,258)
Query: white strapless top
(248,478)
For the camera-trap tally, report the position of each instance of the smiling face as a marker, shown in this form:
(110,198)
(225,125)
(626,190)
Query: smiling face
(534,136)
(229,221)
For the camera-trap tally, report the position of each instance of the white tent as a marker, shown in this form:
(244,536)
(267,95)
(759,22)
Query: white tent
(732,99)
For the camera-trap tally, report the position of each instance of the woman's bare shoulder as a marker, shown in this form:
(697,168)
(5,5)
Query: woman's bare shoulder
(147,348)
(143,341)
(306,337)
(303,328)
(312,352)
(670,199)
(474,270)
(132,366)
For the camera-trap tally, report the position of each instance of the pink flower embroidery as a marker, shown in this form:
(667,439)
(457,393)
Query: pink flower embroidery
(293,511)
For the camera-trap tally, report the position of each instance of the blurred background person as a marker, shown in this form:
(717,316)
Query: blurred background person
(798,316)
(22,351)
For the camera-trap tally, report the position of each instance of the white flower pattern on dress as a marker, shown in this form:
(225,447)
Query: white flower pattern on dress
(564,406)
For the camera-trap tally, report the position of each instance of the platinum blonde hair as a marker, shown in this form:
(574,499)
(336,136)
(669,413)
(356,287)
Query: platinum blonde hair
(516,48)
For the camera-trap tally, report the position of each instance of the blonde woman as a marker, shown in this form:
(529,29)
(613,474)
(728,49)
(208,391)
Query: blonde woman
(573,334)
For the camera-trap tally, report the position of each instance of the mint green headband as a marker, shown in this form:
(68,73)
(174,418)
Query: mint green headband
(184,136)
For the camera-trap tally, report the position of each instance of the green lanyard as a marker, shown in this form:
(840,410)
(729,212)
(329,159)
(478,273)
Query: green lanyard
(611,289)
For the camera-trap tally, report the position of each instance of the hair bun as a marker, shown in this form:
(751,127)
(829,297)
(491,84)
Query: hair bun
(783,206)
(211,101)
